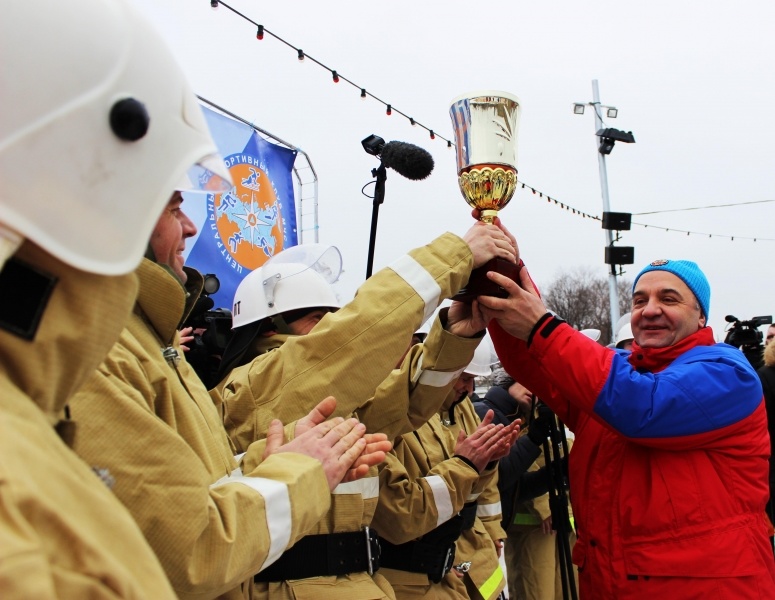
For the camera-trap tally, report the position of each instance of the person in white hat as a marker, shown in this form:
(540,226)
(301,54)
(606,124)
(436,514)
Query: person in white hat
(624,337)
(97,127)
(292,341)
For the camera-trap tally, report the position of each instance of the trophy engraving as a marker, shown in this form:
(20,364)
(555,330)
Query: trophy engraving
(485,126)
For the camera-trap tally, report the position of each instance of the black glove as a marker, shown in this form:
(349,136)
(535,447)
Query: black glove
(538,430)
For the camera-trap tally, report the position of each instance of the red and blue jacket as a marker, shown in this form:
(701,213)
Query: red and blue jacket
(668,472)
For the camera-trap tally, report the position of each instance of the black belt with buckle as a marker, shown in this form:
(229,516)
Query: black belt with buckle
(432,554)
(326,554)
(419,557)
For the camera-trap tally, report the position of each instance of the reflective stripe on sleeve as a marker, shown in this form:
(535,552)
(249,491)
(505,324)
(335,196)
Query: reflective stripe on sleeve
(277,506)
(421,281)
(368,487)
(438,378)
(492,584)
(441,498)
(473,496)
(488,510)
(435,379)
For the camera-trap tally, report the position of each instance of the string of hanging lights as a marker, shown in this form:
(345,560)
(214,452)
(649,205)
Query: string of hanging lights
(337,77)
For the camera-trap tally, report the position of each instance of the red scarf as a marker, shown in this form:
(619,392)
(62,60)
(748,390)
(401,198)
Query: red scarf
(653,360)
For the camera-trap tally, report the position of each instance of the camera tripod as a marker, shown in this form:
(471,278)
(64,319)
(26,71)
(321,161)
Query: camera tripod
(555,448)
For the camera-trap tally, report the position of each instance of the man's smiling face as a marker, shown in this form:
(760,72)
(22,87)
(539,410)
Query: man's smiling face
(664,310)
(168,240)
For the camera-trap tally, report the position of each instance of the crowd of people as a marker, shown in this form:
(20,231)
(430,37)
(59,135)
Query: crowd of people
(341,455)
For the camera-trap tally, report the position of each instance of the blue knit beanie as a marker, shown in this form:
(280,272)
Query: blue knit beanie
(688,272)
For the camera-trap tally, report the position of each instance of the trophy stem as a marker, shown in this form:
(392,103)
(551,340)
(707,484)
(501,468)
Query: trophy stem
(488,215)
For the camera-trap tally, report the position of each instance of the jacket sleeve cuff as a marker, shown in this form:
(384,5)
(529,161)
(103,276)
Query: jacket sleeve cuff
(544,327)
(468,462)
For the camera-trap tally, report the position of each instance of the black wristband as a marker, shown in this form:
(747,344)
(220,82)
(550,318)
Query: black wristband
(468,462)
(537,326)
(553,323)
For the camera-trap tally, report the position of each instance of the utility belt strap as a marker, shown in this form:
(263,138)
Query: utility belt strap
(419,557)
(432,554)
(468,514)
(326,554)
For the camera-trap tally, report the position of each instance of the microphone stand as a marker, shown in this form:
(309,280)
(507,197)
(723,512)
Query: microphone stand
(379,197)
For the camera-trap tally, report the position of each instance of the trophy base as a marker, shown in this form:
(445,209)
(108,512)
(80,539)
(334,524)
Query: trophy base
(479,285)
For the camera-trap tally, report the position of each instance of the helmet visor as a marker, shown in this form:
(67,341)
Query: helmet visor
(321,258)
(209,174)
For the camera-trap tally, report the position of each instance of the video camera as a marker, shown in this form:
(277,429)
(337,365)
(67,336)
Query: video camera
(212,331)
(746,336)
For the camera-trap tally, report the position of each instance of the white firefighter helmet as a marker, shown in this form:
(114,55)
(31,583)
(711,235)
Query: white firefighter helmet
(484,358)
(624,335)
(98,127)
(592,334)
(299,277)
(623,320)
(623,330)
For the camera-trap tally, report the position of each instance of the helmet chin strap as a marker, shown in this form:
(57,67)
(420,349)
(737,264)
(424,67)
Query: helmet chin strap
(9,244)
(281,325)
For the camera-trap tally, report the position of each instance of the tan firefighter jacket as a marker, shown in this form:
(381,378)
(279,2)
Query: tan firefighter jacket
(63,533)
(350,354)
(211,526)
(422,486)
(484,578)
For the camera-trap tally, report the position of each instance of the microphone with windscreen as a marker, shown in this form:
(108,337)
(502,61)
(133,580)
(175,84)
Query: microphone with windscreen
(405,159)
(411,161)
(408,160)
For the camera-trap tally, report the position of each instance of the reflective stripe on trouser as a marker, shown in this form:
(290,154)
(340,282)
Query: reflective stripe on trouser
(525,519)
(528,519)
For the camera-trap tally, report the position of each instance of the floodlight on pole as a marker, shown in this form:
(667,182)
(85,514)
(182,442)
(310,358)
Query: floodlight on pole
(607,138)
(611,112)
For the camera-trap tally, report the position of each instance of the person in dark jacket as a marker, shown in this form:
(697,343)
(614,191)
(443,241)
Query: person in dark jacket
(767,375)
(520,477)
(511,401)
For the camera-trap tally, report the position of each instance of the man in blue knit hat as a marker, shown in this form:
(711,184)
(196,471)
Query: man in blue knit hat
(688,299)
(670,462)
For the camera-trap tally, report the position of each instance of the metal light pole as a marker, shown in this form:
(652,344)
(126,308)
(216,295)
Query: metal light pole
(608,137)
(613,293)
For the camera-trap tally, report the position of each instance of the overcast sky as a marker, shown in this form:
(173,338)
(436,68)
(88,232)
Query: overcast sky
(693,82)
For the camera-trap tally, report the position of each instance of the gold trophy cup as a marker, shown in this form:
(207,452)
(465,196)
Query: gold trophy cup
(485,125)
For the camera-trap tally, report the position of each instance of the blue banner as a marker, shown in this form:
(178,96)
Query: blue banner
(240,229)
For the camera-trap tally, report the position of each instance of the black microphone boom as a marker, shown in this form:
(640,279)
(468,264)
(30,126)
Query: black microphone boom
(408,160)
